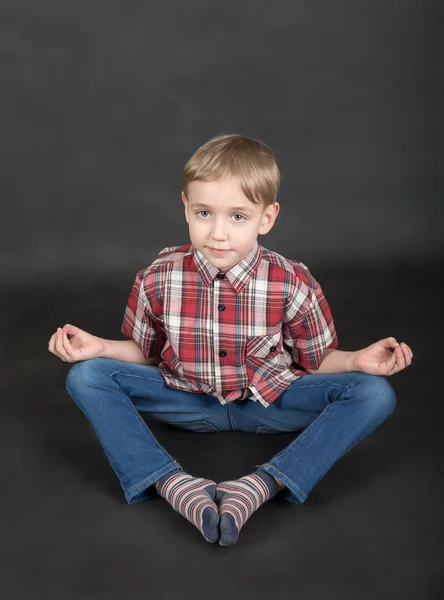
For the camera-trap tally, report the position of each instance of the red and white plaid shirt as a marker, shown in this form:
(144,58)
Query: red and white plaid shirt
(231,335)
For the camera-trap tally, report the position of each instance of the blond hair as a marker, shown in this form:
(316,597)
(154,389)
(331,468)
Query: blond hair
(230,155)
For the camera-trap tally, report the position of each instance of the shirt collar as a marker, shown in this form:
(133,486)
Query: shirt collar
(238,276)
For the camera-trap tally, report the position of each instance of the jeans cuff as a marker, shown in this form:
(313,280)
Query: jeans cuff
(144,490)
(294,492)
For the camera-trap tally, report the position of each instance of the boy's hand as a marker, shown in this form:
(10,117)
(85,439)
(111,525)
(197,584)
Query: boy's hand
(377,359)
(81,346)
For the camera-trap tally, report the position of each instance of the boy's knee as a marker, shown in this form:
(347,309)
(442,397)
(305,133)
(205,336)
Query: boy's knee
(83,373)
(381,394)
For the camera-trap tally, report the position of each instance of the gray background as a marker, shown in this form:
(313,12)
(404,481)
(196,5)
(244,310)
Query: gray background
(103,102)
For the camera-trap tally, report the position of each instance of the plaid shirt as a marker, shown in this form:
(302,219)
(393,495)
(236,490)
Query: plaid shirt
(248,332)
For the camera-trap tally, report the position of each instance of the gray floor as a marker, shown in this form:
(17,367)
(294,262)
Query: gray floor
(371,529)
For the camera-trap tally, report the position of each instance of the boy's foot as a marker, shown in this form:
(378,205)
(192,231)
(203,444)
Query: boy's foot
(238,500)
(193,498)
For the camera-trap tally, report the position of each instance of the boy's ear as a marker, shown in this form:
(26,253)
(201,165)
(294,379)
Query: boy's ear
(185,202)
(269,218)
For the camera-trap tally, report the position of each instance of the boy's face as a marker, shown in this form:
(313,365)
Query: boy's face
(224,224)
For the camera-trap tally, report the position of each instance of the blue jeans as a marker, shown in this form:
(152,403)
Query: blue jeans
(334,412)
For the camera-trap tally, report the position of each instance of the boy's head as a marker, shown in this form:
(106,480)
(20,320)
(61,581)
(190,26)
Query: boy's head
(229,189)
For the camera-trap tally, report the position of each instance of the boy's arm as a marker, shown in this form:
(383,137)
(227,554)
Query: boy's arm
(127,351)
(335,361)
(384,357)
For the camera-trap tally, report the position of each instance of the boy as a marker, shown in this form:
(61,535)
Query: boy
(227,335)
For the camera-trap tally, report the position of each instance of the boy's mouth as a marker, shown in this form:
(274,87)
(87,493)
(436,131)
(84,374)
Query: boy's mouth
(217,250)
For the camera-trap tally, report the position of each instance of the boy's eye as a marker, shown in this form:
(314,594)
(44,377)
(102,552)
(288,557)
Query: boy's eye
(206,213)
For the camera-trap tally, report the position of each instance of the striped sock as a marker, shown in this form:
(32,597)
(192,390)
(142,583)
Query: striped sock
(239,499)
(193,498)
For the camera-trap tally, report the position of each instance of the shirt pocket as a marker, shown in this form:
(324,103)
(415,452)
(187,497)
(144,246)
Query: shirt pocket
(265,346)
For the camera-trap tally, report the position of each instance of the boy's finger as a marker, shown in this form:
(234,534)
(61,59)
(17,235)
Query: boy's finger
(71,329)
(67,346)
(390,342)
(59,346)
(407,354)
(51,344)
(407,350)
(400,359)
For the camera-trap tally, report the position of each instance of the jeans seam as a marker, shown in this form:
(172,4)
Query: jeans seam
(151,379)
(231,417)
(285,478)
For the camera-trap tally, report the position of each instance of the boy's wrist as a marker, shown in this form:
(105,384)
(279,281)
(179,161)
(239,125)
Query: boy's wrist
(105,349)
(351,363)
(117,349)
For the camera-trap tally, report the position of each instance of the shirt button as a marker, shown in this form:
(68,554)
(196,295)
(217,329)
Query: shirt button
(220,275)
(222,353)
(273,349)
(221,307)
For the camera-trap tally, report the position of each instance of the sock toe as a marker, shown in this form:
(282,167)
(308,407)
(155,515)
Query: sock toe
(193,498)
(229,533)
(210,525)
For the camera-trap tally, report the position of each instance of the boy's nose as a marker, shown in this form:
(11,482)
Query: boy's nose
(218,232)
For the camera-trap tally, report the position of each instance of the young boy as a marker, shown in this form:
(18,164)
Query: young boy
(227,335)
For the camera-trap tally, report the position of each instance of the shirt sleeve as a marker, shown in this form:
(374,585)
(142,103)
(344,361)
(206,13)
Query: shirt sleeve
(139,321)
(308,328)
